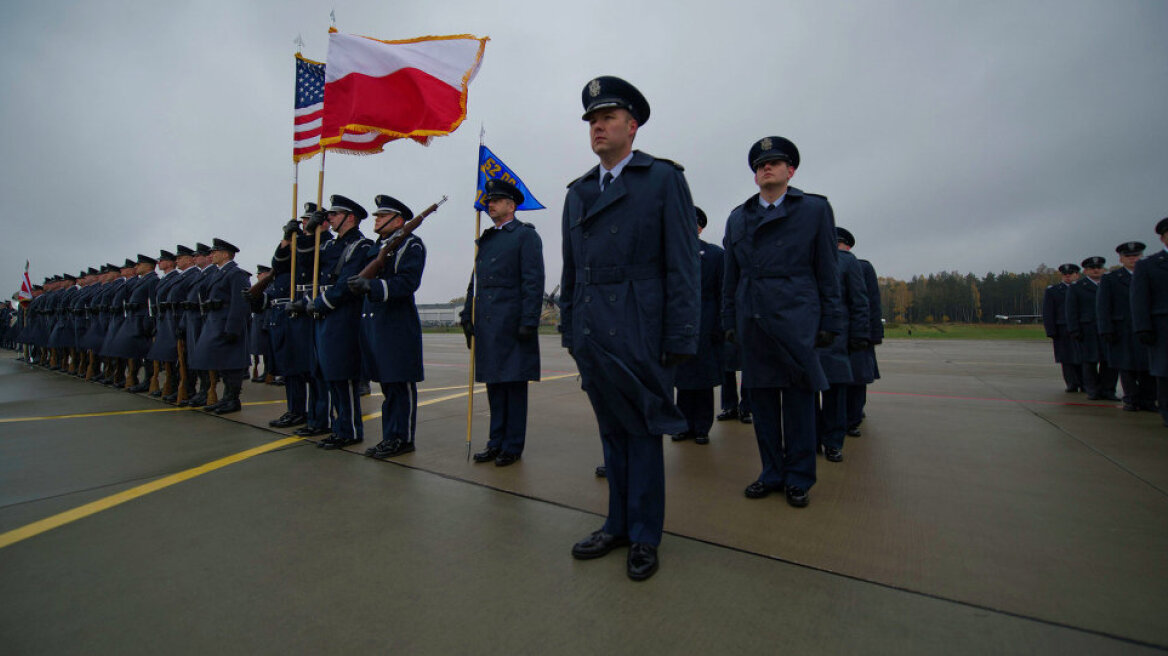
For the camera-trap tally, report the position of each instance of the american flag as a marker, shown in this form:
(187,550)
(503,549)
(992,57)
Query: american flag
(310,113)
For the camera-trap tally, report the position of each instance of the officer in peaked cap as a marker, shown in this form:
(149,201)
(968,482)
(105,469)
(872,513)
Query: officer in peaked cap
(1149,299)
(861,352)
(501,316)
(1099,379)
(170,331)
(1054,320)
(223,345)
(697,377)
(1124,352)
(781,302)
(132,341)
(391,331)
(341,205)
(259,342)
(116,365)
(631,312)
(162,351)
(191,324)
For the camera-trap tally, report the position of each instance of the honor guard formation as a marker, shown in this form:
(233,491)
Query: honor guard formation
(654,317)
(1110,328)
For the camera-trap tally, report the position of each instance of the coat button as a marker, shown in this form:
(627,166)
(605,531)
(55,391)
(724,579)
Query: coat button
(612,298)
(613,229)
(586,331)
(612,331)
(586,235)
(587,299)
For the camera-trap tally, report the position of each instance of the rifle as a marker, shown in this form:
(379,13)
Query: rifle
(182,372)
(154,378)
(91,370)
(256,291)
(373,268)
(212,395)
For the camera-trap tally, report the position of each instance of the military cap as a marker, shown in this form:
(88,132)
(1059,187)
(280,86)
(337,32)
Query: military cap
(202,249)
(1162,226)
(263,268)
(165,255)
(309,210)
(145,259)
(112,267)
(702,221)
(38,288)
(386,203)
(68,276)
(842,234)
(1094,262)
(130,264)
(92,272)
(1068,268)
(608,91)
(184,250)
(338,203)
(1130,248)
(769,149)
(497,188)
(218,244)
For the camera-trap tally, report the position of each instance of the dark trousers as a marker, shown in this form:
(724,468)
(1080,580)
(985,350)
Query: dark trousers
(347,423)
(1139,388)
(232,383)
(320,405)
(296,393)
(1162,397)
(784,425)
(1073,375)
(730,397)
(857,399)
(833,416)
(399,411)
(508,403)
(1099,379)
(697,405)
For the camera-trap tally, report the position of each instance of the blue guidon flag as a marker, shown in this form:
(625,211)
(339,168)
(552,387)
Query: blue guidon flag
(491,166)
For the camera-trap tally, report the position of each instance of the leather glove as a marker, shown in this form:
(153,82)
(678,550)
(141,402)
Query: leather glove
(1110,338)
(731,336)
(468,330)
(359,285)
(674,359)
(317,219)
(824,338)
(526,333)
(1077,336)
(230,338)
(297,307)
(857,344)
(290,228)
(1146,337)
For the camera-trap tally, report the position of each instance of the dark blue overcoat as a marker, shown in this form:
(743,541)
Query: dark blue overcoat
(837,361)
(1149,304)
(117,306)
(227,313)
(781,287)
(133,337)
(1081,318)
(391,332)
(293,349)
(1054,320)
(99,316)
(509,267)
(165,346)
(631,293)
(875,320)
(1113,312)
(338,330)
(62,335)
(191,323)
(704,370)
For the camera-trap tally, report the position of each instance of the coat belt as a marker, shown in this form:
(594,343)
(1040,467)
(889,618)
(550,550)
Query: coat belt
(605,275)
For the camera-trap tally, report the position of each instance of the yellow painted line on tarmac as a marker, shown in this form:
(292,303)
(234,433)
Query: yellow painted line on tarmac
(80,512)
(94,414)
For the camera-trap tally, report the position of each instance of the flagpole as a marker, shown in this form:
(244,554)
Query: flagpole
(295,215)
(319,206)
(474,294)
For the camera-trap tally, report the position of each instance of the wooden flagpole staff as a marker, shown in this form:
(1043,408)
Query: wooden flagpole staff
(474,273)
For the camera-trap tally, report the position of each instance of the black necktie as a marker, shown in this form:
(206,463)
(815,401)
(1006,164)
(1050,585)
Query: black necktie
(605,181)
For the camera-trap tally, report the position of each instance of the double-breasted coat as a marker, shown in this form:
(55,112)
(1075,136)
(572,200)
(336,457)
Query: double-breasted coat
(509,267)
(222,343)
(630,291)
(117,308)
(1054,321)
(781,287)
(391,331)
(133,337)
(1149,304)
(293,352)
(869,370)
(165,346)
(1114,315)
(704,370)
(836,359)
(1081,319)
(338,326)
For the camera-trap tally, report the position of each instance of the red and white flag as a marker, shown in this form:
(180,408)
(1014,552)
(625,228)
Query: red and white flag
(25,285)
(415,88)
(309,113)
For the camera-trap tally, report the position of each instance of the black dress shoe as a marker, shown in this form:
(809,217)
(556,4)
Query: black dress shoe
(682,436)
(797,496)
(277,380)
(1130,407)
(287,420)
(746,418)
(757,490)
(324,443)
(170,398)
(139,388)
(228,407)
(197,401)
(310,431)
(701,439)
(1110,396)
(211,408)
(833,454)
(506,459)
(596,545)
(642,561)
(1071,389)
(156,393)
(732,413)
(390,448)
(487,455)
(338,442)
(601,472)
(854,431)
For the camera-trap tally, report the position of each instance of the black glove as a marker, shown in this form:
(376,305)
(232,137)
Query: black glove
(857,344)
(1146,337)
(674,359)
(230,338)
(731,336)
(468,330)
(359,285)
(824,338)
(297,307)
(527,333)
(1077,336)
(256,303)
(290,228)
(150,330)
(316,220)
(1110,338)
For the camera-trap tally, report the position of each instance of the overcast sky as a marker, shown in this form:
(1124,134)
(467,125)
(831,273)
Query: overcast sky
(968,136)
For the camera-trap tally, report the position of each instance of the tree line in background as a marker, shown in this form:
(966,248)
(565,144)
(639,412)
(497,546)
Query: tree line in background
(954,297)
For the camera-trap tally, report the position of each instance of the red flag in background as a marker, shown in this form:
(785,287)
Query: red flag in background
(25,285)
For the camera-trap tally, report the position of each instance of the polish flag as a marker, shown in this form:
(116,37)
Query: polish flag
(415,88)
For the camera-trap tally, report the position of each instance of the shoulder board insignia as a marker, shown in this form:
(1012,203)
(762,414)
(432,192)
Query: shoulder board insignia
(675,165)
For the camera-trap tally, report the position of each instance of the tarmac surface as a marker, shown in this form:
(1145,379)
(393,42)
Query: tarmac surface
(983,511)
